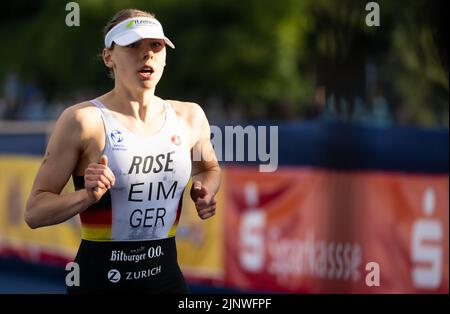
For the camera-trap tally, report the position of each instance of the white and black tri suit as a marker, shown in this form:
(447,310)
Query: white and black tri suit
(128,237)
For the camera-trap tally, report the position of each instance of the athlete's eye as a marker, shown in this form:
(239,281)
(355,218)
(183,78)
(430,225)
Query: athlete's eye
(132,45)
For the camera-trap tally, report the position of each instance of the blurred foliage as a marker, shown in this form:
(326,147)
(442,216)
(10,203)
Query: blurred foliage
(250,51)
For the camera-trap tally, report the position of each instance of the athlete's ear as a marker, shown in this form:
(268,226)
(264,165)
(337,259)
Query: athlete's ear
(107,57)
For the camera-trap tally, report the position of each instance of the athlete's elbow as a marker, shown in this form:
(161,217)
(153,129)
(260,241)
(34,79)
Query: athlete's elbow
(32,225)
(30,217)
(30,221)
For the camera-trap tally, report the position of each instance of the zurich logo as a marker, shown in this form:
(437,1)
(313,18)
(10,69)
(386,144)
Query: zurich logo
(117,136)
(114,275)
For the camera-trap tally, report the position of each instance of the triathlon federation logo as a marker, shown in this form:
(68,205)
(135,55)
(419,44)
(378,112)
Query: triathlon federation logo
(114,275)
(117,139)
(117,136)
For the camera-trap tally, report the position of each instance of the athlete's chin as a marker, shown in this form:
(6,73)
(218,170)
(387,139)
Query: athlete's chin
(147,85)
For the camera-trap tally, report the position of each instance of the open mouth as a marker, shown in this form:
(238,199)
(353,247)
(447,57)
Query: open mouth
(146,71)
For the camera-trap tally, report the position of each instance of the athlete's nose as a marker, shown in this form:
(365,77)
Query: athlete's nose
(148,54)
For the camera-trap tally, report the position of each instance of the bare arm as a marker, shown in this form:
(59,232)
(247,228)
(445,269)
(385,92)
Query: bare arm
(45,205)
(206,173)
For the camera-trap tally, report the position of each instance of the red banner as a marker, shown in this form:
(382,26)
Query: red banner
(317,231)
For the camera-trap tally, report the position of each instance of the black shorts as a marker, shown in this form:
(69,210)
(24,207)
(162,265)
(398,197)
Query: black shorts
(129,267)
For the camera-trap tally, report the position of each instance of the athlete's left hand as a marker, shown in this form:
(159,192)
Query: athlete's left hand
(203,199)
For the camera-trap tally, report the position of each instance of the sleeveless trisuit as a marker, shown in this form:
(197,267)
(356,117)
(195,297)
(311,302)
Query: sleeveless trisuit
(128,236)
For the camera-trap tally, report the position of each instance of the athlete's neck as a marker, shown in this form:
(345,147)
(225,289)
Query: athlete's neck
(135,104)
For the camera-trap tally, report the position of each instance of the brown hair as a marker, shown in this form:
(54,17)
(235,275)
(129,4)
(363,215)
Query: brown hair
(120,16)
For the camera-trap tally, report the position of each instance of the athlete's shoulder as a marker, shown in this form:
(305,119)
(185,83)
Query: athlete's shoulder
(187,109)
(83,113)
(83,116)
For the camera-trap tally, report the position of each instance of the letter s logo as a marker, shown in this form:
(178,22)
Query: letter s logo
(428,274)
(251,233)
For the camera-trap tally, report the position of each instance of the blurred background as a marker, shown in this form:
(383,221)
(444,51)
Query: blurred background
(362,115)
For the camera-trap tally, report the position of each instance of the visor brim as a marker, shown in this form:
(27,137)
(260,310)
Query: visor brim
(134,35)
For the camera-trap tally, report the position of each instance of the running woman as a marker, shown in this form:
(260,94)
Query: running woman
(131,155)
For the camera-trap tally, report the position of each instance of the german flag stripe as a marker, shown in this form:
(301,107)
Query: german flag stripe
(173,229)
(96,216)
(96,232)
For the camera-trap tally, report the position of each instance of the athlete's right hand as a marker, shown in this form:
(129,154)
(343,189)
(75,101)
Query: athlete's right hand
(98,178)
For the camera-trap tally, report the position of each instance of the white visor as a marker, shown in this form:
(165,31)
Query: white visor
(134,29)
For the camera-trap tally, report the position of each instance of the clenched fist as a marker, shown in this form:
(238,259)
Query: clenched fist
(98,178)
(203,199)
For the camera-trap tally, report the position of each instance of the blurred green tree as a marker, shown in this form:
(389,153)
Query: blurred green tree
(254,51)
